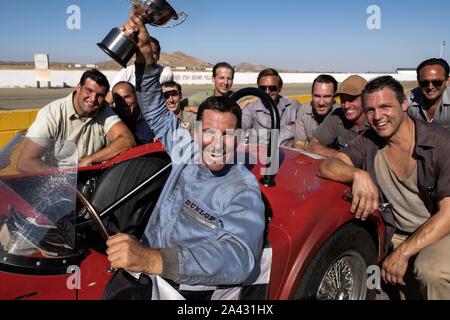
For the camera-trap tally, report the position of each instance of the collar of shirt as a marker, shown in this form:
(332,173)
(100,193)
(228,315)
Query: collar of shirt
(310,111)
(417,99)
(349,125)
(282,105)
(424,140)
(73,114)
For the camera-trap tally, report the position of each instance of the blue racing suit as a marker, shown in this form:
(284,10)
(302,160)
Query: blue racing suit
(208,225)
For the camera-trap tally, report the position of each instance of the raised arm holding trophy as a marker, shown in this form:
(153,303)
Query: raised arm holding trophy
(120,46)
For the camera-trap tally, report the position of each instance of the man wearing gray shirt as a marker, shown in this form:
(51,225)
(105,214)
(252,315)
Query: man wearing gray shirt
(430,102)
(344,123)
(256,116)
(310,115)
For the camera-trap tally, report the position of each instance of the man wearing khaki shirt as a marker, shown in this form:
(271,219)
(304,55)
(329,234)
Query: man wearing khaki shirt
(81,118)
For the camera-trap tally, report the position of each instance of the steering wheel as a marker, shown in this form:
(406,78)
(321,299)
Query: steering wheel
(94,215)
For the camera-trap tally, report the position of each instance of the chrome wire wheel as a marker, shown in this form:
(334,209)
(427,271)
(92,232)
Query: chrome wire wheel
(345,279)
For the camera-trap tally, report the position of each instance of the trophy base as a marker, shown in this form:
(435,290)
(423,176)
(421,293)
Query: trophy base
(118,46)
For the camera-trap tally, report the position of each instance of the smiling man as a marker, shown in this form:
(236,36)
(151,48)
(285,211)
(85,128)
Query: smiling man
(255,115)
(222,79)
(127,108)
(408,166)
(82,118)
(430,102)
(173,94)
(344,123)
(311,115)
(207,227)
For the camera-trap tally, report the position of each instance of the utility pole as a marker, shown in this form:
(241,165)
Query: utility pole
(442,48)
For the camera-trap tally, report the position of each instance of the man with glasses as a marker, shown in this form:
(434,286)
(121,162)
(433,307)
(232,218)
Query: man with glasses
(173,95)
(430,102)
(344,123)
(256,116)
(312,114)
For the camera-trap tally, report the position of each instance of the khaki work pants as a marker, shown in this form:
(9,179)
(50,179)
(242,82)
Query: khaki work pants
(428,272)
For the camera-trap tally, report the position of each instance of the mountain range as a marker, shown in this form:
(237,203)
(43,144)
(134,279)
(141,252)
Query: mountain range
(177,60)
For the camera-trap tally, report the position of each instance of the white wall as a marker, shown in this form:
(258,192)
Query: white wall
(26,78)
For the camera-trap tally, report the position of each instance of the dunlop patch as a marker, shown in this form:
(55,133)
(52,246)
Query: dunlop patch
(199,215)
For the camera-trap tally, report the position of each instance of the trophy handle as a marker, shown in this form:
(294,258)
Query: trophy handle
(183,15)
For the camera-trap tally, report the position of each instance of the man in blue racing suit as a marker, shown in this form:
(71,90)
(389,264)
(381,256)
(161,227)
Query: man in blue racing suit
(207,227)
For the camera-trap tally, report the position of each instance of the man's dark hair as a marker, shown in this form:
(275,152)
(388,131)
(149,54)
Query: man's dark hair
(380,83)
(268,73)
(433,62)
(223,65)
(221,104)
(172,84)
(96,76)
(158,46)
(325,78)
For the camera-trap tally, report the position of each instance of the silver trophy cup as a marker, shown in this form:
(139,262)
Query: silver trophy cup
(157,13)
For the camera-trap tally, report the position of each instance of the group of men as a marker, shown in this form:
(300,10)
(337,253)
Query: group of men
(378,140)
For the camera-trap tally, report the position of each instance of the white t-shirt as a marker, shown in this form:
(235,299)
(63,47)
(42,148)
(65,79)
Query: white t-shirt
(129,74)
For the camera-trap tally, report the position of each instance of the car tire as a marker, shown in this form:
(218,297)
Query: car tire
(132,216)
(339,269)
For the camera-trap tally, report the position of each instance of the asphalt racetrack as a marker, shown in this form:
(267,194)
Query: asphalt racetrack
(31,98)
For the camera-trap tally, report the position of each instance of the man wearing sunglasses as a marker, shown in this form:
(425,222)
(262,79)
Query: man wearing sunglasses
(256,116)
(430,101)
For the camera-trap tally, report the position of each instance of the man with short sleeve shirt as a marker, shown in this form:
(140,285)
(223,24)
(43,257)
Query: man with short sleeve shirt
(344,123)
(311,115)
(82,118)
(403,162)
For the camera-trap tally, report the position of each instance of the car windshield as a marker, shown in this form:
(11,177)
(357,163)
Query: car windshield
(37,209)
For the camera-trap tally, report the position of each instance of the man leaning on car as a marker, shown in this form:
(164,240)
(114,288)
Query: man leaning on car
(408,166)
(82,118)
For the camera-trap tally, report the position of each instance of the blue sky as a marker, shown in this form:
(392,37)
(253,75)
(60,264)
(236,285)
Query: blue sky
(321,35)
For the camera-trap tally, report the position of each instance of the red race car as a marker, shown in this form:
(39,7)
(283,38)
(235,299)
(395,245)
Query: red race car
(51,225)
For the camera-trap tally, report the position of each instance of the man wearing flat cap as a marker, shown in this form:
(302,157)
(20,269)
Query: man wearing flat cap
(344,123)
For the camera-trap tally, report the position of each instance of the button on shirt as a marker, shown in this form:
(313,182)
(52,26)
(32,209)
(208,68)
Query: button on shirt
(417,108)
(307,123)
(256,116)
